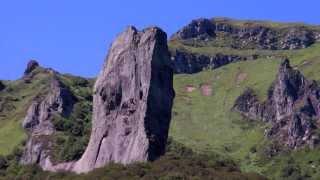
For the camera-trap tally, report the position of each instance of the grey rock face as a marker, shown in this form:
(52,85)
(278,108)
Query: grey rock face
(190,63)
(133,97)
(249,35)
(32,65)
(58,101)
(292,108)
(297,38)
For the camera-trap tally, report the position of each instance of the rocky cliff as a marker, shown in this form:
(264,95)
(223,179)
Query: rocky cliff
(292,108)
(189,63)
(249,34)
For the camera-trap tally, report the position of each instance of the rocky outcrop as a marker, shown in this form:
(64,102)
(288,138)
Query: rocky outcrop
(249,34)
(297,38)
(249,106)
(32,65)
(2,86)
(200,28)
(189,63)
(292,108)
(133,97)
(30,71)
(38,122)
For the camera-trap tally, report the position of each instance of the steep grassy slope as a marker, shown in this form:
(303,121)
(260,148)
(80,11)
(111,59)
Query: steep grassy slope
(207,123)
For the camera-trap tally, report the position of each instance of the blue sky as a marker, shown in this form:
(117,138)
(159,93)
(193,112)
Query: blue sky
(73,36)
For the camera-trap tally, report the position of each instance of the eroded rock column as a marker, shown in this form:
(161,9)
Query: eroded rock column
(133,98)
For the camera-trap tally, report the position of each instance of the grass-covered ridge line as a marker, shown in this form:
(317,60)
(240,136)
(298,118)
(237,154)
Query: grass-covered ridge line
(264,23)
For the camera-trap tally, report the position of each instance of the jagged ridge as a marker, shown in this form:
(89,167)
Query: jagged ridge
(249,34)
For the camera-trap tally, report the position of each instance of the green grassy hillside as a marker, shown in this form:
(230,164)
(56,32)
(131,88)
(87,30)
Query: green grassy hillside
(207,123)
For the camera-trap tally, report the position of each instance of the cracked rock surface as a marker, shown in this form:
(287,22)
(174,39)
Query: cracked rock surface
(132,103)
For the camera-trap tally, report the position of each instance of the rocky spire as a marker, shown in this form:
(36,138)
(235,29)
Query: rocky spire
(289,84)
(133,97)
(32,65)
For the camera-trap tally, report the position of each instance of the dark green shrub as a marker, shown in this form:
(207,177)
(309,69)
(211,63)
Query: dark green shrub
(3,162)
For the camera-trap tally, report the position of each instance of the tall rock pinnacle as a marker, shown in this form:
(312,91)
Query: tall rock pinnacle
(133,97)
